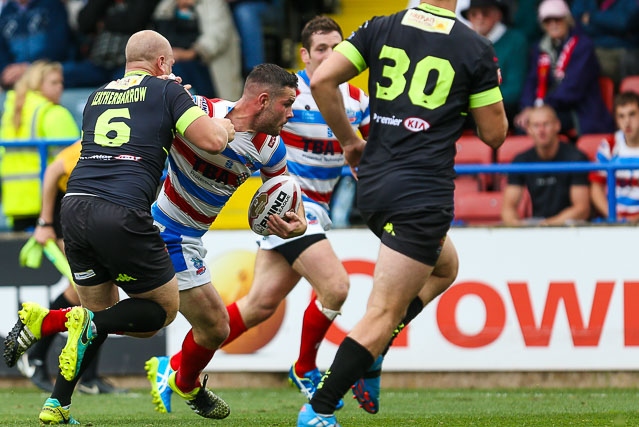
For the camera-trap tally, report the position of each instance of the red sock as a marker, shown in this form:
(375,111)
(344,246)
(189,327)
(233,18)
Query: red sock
(314,327)
(235,322)
(194,360)
(54,321)
(176,360)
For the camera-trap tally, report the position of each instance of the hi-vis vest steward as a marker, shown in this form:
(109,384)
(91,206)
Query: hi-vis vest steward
(20,167)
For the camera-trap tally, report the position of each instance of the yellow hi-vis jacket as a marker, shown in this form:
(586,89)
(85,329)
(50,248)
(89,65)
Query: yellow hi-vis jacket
(20,166)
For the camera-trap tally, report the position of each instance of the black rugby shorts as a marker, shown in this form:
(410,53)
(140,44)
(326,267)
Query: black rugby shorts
(417,233)
(105,241)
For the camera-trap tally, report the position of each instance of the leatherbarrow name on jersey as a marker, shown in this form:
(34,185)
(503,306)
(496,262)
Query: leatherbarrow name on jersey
(136,94)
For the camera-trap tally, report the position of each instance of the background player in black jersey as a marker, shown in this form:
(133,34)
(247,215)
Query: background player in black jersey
(110,240)
(426,71)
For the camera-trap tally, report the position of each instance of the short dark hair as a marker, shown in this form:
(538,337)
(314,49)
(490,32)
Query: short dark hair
(624,98)
(319,24)
(271,75)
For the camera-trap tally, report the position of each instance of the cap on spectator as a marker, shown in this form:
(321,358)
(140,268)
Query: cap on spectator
(500,4)
(553,9)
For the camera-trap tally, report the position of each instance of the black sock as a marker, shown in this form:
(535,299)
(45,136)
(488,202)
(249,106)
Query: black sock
(91,371)
(414,308)
(130,315)
(351,361)
(63,389)
(40,349)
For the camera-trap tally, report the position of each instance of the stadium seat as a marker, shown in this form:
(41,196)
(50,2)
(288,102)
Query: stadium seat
(479,208)
(513,145)
(589,144)
(484,207)
(630,83)
(472,151)
(468,184)
(607,87)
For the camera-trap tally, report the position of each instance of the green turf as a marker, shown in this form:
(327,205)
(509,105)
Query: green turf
(279,407)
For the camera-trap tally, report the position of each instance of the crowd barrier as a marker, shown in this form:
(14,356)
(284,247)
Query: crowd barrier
(465,169)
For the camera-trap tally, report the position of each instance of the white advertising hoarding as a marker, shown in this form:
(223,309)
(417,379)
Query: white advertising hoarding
(525,299)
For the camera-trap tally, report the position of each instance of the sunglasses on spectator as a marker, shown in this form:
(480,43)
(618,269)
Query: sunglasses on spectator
(552,19)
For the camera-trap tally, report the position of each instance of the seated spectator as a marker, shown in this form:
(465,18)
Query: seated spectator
(248,15)
(180,24)
(564,74)
(489,18)
(204,40)
(613,27)
(31,111)
(624,144)
(557,197)
(31,30)
(106,26)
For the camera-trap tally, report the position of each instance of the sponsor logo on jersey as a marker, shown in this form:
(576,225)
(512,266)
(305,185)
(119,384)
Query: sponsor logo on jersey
(391,121)
(415,124)
(427,22)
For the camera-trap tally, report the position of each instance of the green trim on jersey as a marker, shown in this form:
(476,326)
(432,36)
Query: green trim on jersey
(487,97)
(352,54)
(188,117)
(437,10)
(137,73)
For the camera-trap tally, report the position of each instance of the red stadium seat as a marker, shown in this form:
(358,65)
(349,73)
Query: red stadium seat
(471,150)
(513,145)
(480,208)
(630,83)
(468,184)
(590,143)
(607,87)
(484,207)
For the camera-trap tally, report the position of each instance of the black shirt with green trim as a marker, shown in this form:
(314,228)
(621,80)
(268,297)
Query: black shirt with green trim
(127,129)
(426,69)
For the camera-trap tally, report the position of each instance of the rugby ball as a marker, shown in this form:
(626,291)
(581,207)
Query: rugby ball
(274,197)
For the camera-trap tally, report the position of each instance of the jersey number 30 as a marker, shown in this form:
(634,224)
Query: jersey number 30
(396,75)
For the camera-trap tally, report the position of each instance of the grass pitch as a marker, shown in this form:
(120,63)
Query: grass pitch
(399,408)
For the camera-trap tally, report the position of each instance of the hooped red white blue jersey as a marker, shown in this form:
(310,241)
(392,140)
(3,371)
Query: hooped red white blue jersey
(198,184)
(615,149)
(315,157)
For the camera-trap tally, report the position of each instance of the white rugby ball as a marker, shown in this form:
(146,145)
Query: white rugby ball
(276,196)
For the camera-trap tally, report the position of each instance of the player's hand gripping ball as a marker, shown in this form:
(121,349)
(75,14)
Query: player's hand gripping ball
(274,197)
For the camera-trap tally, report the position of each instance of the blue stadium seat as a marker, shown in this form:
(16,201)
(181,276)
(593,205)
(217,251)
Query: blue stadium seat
(74,99)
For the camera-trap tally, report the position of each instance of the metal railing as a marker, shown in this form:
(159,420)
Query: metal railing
(465,169)
(42,145)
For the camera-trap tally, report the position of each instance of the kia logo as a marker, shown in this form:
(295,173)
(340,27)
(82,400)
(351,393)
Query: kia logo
(415,124)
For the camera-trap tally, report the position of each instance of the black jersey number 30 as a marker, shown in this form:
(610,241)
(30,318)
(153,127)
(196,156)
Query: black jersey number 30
(397,76)
(110,130)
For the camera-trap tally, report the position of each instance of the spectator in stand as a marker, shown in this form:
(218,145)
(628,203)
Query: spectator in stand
(489,18)
(248,15)
(31,30)
(564,74)
(31,111)
(105,27)
(558,198)
(621,146)
(525,21)
(179,22)
(210,44)
(613,27)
